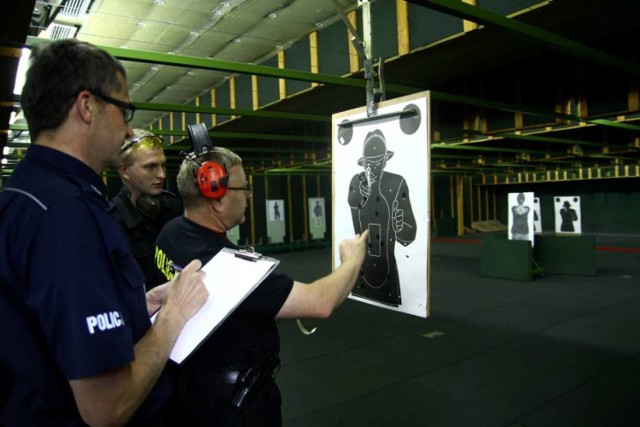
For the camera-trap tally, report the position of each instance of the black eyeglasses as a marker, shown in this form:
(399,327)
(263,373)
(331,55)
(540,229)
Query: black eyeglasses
(126,108)
(246,188)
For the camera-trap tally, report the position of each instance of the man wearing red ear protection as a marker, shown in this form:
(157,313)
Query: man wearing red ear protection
(143,207)
(229,380)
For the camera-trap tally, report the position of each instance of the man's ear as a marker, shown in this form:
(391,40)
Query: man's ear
(85,106)
(123,171)
(217,204)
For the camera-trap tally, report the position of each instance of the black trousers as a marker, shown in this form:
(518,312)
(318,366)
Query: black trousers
(205,401)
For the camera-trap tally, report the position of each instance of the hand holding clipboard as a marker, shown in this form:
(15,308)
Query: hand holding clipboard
(231,276)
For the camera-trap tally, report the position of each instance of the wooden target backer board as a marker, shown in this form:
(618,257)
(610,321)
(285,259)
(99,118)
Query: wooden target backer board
(381,182)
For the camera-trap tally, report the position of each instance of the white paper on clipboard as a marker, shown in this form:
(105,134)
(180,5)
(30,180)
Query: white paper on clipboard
(229,280)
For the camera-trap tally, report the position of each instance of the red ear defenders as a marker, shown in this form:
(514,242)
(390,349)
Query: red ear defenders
(213,179)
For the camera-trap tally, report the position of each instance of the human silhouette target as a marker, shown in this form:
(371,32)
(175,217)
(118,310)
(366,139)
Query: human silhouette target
(379,202)
(381,181)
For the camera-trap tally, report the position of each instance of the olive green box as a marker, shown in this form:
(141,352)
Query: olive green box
(567,254)
(506,259)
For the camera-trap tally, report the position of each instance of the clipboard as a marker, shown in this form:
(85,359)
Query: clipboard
(231,275)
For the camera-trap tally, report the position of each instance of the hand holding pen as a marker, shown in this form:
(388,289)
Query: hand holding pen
(186,292)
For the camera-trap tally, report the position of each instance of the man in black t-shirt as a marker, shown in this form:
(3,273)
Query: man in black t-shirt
(143,207)
(216,383)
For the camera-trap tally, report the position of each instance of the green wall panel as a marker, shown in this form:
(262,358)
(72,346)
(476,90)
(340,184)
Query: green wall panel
(223,100)
(535,86)
(268,87)
(607,94)
(503,7)
(500,120)
(244,94)
(445,227)
(297,209)
(333,55)
(427,26)
(259,210)
(448,121)
(298,57)
(442,196)
(385,32)
(205,99)
(190,118)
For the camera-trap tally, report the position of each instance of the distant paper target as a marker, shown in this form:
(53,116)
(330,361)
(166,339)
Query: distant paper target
(568,215)
(520,225)
(537,216)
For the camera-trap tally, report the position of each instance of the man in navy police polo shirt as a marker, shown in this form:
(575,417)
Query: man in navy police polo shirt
(77,344)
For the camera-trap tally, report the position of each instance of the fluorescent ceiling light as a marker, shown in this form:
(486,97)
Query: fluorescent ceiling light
(21,74)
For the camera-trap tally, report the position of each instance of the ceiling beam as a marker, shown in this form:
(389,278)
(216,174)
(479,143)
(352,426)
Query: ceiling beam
(478,137)
(232,67)
(222,135)
(503,106)
(529,32)
(148,106)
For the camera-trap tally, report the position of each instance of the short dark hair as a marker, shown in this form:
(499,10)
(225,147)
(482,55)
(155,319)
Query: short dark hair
(58,72)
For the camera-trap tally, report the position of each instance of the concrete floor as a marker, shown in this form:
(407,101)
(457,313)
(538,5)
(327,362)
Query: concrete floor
(556,351)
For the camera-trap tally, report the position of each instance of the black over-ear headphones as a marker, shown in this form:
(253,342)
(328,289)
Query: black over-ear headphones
(212,177)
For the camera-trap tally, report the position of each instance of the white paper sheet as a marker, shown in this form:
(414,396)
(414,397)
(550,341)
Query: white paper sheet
(229,280)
